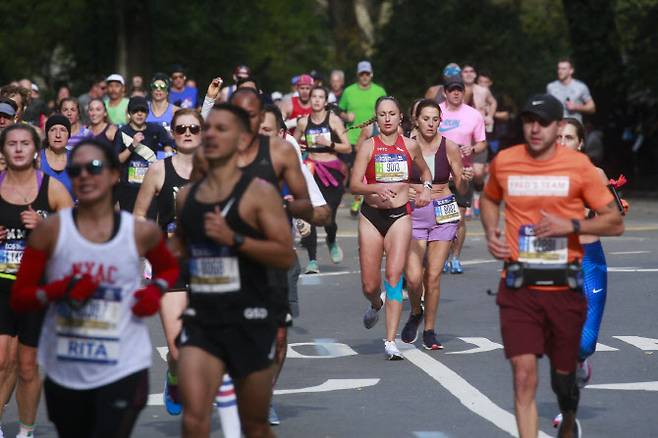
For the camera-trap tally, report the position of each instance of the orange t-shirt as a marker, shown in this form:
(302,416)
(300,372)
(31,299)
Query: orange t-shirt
(561,185)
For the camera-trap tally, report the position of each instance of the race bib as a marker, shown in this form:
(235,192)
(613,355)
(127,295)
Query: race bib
(11,253)
(446,210)
(90,334)
(214,269)
(312,136)
(545,250)
(391,168)
(136,172)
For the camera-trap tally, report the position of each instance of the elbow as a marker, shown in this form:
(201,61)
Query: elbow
(286,260)
(618,227)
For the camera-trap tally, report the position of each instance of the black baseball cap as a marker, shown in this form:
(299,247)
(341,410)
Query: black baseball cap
(545,107)
(453,82)
(137,103)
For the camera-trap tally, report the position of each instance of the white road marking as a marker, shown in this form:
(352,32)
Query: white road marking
(628,252)
(632,386)
(603,347)
(644,344)
(482,345)
(479,262)
(466,393)
(331,385)
(631,269)
(163,352)
(430,434)
(358,271)
(325,350)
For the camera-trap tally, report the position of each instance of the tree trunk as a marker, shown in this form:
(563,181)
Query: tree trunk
(133,38)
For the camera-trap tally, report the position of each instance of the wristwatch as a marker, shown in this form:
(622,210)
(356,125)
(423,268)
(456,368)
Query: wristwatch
(427,185)
(238,241)
(576,226)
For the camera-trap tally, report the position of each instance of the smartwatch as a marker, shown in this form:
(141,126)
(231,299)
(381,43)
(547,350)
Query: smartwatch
(238,241)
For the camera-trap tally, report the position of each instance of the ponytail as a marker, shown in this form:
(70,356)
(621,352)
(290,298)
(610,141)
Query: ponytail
(363,124)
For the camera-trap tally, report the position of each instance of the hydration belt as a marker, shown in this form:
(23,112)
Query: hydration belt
(520,274)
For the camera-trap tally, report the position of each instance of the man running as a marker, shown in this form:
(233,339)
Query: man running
(229,325)
(180,94)
(572,93)
(437,92)
(299,105)
(116,103)
(336,85)
(545,188)
(463,125)
(240,72)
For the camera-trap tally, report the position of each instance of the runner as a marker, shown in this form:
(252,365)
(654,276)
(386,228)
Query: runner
(240,72)
(464,126)
(574,94)
(336,85)
(96,91)
(542,307)
(434,226)
(160,110)
(100,129)
(26,197)
(324,135)
(437,92)
(94,347)
(71,110)
(8,110)
(19,95)
(571,134)
(54,157)
(299,105)
(229,324)
(115,103)
(180,94)
(384,223)
(137,143)
(163,181)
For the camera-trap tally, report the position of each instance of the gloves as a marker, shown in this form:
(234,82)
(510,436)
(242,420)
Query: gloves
(148,301)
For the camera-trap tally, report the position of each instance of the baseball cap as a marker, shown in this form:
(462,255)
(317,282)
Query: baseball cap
(305,80)
(115,77)
(451,69)
(451,82)
(364,66)
(544,106)
(276,96)
(35,88)
(137,103)
(242,71)
(7,107)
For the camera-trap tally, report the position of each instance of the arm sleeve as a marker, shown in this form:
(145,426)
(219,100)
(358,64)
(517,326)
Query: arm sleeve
(493,189)
(207,105)
(165,266)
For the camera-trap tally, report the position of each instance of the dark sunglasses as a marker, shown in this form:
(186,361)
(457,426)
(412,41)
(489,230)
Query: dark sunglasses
(159,86)
(181,129)
(94,167)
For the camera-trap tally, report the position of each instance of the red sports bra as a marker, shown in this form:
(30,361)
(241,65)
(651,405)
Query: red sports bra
(389,163)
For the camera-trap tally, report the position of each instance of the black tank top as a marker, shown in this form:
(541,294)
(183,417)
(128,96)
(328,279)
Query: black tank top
(323,129)
(102,136)
(225,286)
(441,171)
(262,166)
(13,246)
(167,196)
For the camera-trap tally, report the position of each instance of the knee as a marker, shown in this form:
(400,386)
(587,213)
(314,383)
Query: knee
(195,421)
(256,429)
(370,288)
(28,371)
(525,380)
(414,282)
(7,363)
(433,279)
(565,388)
(393,289)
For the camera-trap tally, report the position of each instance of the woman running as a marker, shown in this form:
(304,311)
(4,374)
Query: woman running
(26,197)
(385,162)
(324,135)
(100,128)
(160,110)
(594,266)
(163,180)
(94,348)
(54,157)
(70,108)
(435,225)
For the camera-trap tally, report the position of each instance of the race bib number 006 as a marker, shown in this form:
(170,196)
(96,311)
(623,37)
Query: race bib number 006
(545,250)
(391,168)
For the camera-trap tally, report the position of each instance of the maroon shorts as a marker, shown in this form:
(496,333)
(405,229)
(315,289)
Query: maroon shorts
(536,322)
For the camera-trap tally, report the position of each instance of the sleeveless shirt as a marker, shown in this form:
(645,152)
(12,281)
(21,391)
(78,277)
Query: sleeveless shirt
(167,196)
(389,163)
(438,164)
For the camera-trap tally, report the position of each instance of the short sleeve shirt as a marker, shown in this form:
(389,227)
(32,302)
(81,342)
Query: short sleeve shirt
(360,102)
(155,138)
(561,185)
(576,91)
(464,126)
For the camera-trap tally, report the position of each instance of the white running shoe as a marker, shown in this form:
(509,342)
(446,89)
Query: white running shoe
(371,317)
(583,373)
(392,352)
(557,420)
(577,433)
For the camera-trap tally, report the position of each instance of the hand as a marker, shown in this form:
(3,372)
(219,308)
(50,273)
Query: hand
(214,87)
(384,192)
(350,117)
(321,140)
(570,105)
(30,218)
(466,150)
(83,289)
(467,173)
(497,245)
(217,229)
(551,225)
(423,197)
(148,301)
(3,233)
(138,138)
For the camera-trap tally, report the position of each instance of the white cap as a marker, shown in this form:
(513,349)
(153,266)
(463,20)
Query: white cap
(35,87)
(364,66)
(115,77)
(276,96)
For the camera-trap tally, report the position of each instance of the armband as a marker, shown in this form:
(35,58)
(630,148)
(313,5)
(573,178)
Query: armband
(576,226)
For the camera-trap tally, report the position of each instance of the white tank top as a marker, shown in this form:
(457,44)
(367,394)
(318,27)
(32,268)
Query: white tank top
(103,342)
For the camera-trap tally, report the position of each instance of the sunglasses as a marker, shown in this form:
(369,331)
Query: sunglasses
(159,86)
(94,167)
(181,129)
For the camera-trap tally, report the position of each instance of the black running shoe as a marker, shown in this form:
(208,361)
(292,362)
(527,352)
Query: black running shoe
(430,342)
(410,331)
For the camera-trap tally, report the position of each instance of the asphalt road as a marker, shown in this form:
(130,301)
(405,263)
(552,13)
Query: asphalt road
(336,382)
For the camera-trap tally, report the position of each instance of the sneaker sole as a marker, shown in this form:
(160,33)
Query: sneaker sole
(394,357)
(411,341)
(432,348)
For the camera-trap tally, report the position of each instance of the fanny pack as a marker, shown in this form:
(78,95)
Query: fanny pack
(520,274)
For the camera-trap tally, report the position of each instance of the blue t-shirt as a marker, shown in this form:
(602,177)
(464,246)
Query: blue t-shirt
(184,99)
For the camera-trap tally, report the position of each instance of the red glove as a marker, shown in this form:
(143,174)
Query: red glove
(148,300)
(83,288)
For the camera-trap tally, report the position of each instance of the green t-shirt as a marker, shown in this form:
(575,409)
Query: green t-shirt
(117,115)
(360,102)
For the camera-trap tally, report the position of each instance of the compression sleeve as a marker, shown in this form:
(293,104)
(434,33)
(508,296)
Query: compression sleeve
(26,294)
(165,265)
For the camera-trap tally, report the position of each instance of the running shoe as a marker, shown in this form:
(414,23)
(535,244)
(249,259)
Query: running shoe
(371,317)
(391,351)
(336,252)
(430,342)
(557,420)
(410,331)
(312,267)
(170,397)
(577,433)
(272,417)
(456,267)
(446,267)
(356,205)
(583,373)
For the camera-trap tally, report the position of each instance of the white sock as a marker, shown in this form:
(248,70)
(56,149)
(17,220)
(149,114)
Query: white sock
(227,408)
(25,431)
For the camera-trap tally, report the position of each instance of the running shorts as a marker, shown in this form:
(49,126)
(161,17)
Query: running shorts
(424,226)
(27,326)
